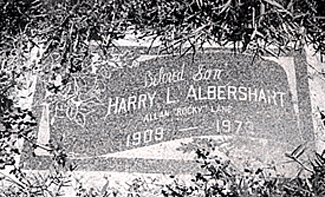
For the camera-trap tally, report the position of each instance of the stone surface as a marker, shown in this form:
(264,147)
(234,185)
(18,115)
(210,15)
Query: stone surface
(121,118)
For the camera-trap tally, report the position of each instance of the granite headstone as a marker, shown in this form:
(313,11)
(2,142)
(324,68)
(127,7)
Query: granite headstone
(259,109)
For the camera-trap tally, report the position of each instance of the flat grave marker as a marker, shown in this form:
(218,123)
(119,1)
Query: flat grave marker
(255,108)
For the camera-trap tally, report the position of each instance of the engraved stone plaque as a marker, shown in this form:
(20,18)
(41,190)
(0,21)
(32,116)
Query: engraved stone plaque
(122,118)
